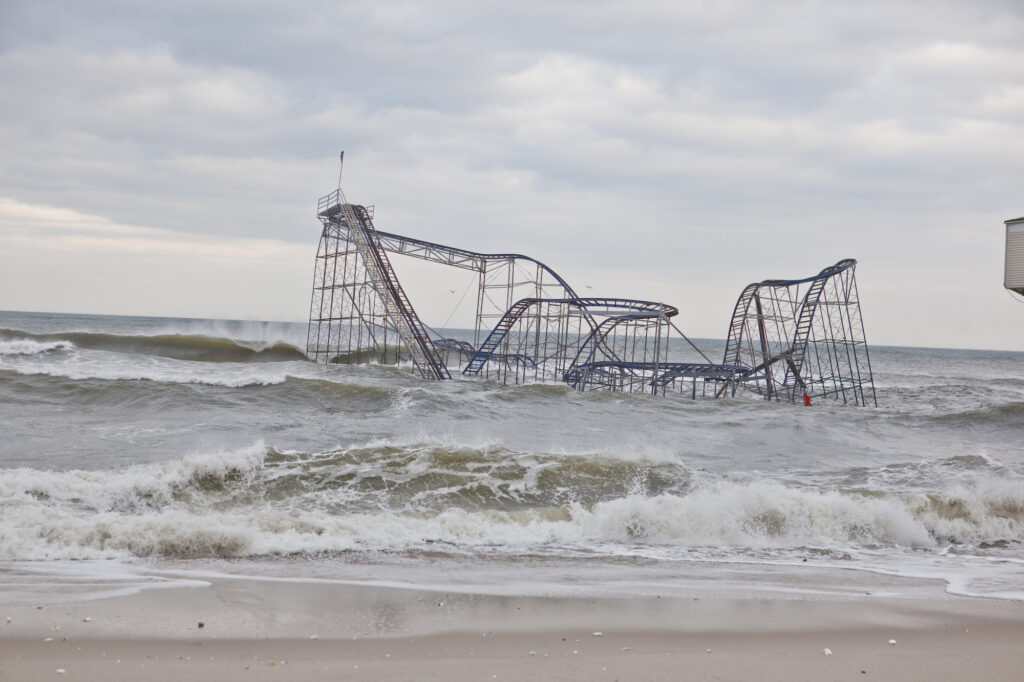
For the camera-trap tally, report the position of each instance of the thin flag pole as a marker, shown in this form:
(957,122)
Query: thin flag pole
(341,166)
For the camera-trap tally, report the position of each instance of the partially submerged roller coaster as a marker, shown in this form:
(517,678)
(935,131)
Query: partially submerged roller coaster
(787,338)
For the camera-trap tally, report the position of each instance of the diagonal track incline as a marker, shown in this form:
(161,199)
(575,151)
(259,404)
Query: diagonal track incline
(387,286)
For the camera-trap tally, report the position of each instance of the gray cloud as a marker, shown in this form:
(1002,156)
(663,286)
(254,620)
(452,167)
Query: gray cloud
(694,148)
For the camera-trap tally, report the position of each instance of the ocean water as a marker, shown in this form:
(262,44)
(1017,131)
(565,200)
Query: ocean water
(143,452)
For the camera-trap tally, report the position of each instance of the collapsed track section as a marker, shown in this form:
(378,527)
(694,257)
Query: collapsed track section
(803,337)
(561,339)
(788,339)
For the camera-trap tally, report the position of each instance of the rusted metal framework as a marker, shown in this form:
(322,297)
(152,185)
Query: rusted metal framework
(787,338)
(802,337)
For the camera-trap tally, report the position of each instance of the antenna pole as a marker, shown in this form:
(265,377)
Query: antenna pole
(341,166)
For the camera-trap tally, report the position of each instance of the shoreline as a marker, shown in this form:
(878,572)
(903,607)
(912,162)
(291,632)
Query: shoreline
(257,629)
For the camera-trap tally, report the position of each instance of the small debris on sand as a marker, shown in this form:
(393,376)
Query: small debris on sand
(313,637)
(61,671)
(828,652)
(87,619)
(202,625)
(597,634)
(892,642)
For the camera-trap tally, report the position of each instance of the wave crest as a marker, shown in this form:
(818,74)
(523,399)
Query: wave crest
(257,501)
(32,347)
(177,346)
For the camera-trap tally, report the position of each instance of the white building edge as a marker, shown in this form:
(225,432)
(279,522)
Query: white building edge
(1013,278)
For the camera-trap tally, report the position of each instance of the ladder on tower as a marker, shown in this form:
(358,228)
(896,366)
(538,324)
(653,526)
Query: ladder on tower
(387,286)
(803,329)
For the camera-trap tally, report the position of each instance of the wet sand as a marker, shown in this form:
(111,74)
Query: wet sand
(267,630)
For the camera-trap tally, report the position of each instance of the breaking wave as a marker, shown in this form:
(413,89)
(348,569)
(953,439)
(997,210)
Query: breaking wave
(32,347)
(381,497)
(228,379)
(178,346)
(102,382)
(1000,413)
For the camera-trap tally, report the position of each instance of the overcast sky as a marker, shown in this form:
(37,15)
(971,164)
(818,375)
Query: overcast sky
(166,158)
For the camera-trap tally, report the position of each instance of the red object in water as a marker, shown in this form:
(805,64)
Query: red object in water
(807,400)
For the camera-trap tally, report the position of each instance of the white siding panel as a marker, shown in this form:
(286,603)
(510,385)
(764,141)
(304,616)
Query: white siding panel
(1014,259)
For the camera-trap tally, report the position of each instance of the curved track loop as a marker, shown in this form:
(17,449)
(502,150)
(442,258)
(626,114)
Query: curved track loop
(595,338)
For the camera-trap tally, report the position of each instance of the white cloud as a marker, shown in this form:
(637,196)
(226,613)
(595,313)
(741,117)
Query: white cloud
(73,262)
(30,227)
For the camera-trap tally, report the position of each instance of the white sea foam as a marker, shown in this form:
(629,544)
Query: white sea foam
(217,505)
(141,368)
(762,513)
(31,347)
(126,489)
(81,514)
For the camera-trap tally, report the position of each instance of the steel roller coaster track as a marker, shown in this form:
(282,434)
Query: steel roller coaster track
(787,339)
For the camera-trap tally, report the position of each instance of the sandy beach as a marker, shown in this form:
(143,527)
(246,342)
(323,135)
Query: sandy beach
(266,630)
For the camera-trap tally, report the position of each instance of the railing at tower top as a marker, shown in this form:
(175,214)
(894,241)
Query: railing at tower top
(330,205)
